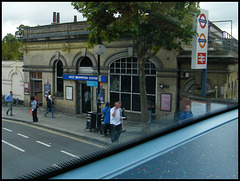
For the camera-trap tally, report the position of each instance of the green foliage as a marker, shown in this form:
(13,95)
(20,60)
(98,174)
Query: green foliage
(19,32)
(10,46)
(151,24)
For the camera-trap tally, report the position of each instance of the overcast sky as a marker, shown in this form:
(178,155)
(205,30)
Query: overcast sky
(41,13)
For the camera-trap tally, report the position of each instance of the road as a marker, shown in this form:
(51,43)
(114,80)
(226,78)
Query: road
(27,148)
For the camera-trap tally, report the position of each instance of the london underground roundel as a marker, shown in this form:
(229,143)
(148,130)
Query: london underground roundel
(203,21)
(202,40)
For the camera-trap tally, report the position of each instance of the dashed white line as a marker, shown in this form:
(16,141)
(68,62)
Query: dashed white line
(22,135)
(43,143)
(70,154)
(7,129)
(55,165)
(13,146)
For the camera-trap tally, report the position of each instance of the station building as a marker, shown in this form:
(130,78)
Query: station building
(58,59)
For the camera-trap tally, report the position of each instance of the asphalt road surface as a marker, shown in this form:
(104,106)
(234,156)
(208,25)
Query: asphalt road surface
(27,148)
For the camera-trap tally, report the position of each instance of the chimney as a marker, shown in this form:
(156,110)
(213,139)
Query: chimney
(75,19)
(54,18)
(58,17)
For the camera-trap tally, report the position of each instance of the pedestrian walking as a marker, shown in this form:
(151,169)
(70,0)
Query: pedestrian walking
(150,107)
(9,100)
(50,105)
(106,113)
(34,109)
(122,115)
(116,125)
(48,95)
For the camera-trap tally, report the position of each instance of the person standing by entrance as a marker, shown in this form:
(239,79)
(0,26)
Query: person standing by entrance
(34,109)
(115,121)
(50,105)
(150,107)
(9,100)
(87,100)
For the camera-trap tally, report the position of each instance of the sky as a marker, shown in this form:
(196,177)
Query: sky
(41,13)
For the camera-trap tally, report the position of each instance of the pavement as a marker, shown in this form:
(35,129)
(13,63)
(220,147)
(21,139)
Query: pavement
(76,124)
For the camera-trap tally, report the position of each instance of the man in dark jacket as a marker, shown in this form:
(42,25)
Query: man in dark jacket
(106,113)
(50,105)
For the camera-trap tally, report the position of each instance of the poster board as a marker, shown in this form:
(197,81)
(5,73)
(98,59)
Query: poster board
(198,108)
(102,98)
(26,88)
(217,107)
(69,93)
(47,88)
(166,102)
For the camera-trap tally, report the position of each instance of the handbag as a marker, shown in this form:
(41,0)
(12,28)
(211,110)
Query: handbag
(31,112)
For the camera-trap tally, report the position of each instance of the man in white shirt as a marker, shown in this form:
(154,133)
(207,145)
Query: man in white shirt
(116,124)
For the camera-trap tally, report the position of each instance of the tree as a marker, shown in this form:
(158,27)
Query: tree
(19,32)
(152,26)
(10,46)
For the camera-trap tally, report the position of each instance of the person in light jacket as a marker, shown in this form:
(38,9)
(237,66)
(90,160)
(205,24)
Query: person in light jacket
(115,121)
(34,109)
(9,100)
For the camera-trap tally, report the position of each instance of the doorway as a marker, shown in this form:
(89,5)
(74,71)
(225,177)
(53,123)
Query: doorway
(85,94)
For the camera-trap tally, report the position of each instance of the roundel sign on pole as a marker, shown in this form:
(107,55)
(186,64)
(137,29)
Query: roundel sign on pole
(199,43)
(203,21)
(202,40)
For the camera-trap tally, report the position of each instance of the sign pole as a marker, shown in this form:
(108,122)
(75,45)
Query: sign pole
(204,83)
(199,47)
(99,50)
(98,102)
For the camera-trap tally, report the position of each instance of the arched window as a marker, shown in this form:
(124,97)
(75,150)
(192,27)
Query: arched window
(124,82)
(59,79)
(85,66)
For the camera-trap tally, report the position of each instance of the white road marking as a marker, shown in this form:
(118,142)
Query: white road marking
(22,135)
(13,146)
(55,165)
(54,132)
(70,154)
(43,143)
(7,129)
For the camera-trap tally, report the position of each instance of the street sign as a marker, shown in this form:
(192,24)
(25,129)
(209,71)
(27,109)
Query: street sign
(199,43)
(92,83)
(100,50)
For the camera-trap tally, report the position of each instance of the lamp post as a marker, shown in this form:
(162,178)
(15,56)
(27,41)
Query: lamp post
(99,50)
(98,102)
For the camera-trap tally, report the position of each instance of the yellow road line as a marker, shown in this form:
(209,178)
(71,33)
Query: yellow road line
(54,132)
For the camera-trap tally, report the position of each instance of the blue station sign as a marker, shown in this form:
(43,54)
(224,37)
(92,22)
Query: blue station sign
(84,77)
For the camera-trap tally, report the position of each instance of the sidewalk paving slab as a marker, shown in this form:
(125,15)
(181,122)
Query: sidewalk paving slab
(75,124)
